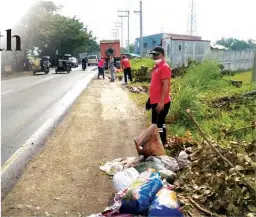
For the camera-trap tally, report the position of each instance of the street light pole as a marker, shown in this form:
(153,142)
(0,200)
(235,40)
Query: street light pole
(141,30)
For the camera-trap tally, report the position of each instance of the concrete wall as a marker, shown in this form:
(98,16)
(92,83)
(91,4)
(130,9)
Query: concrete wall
(232,60)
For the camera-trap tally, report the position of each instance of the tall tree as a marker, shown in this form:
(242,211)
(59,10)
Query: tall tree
(41,27)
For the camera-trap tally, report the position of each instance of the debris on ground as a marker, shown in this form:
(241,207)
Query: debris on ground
(219,179)
(225,102)
(208,179)
(143,191)
(138,89)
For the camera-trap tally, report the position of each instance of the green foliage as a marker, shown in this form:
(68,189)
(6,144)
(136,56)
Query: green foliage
(138,62)
(236,44)
(196,90)
(43,29)
(131,48)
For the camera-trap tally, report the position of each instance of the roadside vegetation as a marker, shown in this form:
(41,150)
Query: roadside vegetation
(198,90)
(223,106)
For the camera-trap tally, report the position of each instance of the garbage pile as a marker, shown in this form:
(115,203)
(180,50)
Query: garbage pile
(144,184)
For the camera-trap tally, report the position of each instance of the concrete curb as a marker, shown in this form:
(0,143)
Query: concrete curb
(15,165)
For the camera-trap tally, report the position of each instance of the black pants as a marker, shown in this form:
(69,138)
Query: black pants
(127,71)
(100,72)
(159,120)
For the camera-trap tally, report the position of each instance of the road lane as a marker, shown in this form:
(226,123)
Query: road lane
(27,102)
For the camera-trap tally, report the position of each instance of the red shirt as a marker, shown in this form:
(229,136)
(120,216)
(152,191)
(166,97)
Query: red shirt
(161,71)
(101,63)
(126,63)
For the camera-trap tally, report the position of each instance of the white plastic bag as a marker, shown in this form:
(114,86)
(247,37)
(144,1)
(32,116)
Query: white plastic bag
(124,179)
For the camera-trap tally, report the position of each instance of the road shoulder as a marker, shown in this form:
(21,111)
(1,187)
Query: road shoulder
(64,178)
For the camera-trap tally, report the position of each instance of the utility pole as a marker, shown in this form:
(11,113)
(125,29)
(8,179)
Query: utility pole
(141,32)
(254,68)
(128,16)
(120,25)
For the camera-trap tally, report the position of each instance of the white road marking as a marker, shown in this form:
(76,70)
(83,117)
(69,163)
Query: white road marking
(6,92)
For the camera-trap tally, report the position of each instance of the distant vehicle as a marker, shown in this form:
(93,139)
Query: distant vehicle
(92,60)
(64,64)
(74,61)
(41,65)
(111,48)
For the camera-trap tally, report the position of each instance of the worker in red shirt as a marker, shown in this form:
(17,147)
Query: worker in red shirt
(126,66)
(101,65)
(159,94)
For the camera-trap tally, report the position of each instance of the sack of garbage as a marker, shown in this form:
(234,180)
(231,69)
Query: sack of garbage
(165,203)
(124,179)
(149,143)
(139,195)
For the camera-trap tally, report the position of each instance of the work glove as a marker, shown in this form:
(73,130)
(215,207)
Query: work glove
(148,106)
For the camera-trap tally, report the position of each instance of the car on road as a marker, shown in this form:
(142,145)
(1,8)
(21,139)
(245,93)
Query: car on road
(92,60)
(74,61)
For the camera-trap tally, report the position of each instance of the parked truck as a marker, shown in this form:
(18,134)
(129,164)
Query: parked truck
(111,48)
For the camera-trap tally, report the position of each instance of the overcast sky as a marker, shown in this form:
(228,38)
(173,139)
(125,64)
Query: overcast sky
(214,18)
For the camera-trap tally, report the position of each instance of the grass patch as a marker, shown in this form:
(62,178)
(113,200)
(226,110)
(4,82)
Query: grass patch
(137,63)
(200,85)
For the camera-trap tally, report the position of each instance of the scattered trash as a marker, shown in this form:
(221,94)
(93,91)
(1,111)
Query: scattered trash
(137,89)
(123,179)
(138,180)
(119,164)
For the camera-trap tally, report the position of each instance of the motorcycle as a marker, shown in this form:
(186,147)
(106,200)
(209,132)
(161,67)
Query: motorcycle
(83,66)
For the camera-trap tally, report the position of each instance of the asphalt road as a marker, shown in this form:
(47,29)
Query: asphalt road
(27,103)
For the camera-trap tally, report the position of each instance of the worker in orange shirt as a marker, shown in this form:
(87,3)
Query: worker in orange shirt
(126,66)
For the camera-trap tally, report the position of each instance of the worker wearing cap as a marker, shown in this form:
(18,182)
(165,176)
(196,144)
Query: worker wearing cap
(159,94)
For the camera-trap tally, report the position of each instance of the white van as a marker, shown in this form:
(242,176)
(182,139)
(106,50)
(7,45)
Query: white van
(92,60)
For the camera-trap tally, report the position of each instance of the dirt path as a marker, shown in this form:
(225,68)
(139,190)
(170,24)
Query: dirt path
(64,179)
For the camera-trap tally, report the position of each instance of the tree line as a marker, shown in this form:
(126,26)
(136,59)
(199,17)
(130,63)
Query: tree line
(44,31)
(236,44)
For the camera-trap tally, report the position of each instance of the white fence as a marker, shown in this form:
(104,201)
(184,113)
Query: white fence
(232,60)
(178,52)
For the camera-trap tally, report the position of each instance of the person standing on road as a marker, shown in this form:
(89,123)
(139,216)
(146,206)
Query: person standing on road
(159,95)
(126,66)
(101,65)
(111,68)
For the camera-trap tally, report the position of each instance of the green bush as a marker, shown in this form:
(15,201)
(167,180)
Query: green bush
(187,90)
